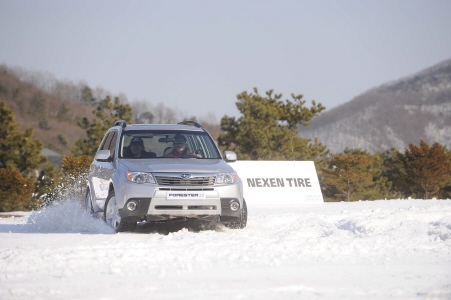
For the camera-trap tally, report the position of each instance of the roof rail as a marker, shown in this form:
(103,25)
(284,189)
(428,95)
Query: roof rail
(190,123)
(120,123)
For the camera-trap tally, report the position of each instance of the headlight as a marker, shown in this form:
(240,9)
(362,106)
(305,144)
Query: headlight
(226,178)
(139,177)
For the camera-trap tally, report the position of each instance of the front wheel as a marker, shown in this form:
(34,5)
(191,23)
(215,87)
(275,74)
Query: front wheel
(88,203)
(241,221)
(112,217)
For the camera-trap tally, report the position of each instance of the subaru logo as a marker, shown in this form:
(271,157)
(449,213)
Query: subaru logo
(185,176)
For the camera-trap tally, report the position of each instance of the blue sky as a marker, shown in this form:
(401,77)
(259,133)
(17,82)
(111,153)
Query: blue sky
(198,55)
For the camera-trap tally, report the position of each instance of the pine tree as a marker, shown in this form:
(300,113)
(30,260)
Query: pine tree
(18,149)
(392,169)
(45,185)
(20,159)
(346,175)
(445,188)
(425,169)
(15,190)
(380,186)
(106,112)
(87,96)
(267,129)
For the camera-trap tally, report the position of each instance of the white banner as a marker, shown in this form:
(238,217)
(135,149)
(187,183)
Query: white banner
(279,182)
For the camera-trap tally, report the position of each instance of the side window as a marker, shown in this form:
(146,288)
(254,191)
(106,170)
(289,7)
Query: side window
(112,146)
(109,142)
(106,141)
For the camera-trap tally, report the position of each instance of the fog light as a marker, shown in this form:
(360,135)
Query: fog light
(132,205)
(234,206)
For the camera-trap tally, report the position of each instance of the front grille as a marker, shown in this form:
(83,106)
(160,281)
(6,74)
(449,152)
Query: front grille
(175,181)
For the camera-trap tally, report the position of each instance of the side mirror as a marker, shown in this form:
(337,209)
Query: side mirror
(230,156)
(102,155)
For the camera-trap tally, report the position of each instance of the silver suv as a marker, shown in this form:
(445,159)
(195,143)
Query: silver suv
(159,172)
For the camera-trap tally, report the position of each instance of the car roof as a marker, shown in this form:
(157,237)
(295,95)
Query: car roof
(135,127)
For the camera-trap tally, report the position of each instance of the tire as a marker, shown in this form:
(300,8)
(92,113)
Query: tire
(241,222)
(88,203)
(112,217)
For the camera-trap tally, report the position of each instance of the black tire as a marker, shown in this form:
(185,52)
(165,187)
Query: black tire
(88,204)
(112,217)
(241,222)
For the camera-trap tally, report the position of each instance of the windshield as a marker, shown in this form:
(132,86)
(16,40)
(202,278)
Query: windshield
(167,144)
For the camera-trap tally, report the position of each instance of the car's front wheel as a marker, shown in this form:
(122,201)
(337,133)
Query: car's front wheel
(241,221)
(88,203)
(112,217)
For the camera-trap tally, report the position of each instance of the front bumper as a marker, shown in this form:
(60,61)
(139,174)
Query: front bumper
(147,211)
(213,206)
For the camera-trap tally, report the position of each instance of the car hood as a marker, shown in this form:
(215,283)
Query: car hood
(171,165)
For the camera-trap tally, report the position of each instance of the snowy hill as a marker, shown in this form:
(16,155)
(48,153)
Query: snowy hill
(395,114)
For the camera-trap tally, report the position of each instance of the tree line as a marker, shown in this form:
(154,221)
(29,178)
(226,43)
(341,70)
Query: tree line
(268,128)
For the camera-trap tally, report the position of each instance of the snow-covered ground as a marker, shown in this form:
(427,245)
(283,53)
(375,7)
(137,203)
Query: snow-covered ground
(393,249)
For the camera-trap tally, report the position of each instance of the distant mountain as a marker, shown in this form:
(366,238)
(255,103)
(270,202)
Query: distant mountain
(52,115)
(53,108)
(397,113)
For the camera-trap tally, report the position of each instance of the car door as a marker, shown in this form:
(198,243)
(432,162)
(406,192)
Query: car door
(102,170)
